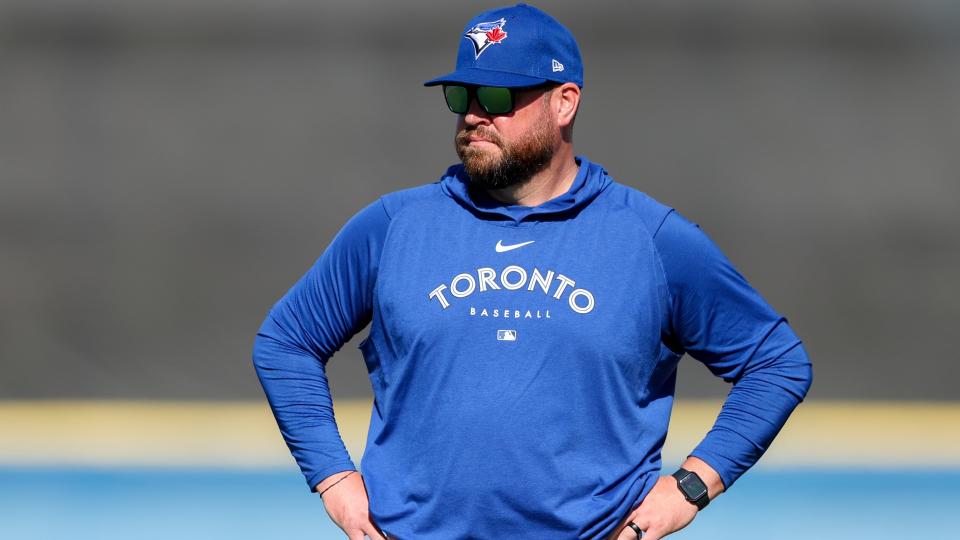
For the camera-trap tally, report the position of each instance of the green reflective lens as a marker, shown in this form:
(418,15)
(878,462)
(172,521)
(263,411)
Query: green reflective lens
(458,99)
(492,99)
(495,99)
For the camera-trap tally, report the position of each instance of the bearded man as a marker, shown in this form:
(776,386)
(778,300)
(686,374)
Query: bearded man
(527,314)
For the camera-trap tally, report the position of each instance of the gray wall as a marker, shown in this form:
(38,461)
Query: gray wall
(168,169)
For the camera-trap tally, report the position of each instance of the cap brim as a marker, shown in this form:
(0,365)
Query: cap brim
(486,77)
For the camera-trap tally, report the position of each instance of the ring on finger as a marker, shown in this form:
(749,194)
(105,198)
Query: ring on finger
(636,529)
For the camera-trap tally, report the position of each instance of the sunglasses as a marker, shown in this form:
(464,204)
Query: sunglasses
(492,99)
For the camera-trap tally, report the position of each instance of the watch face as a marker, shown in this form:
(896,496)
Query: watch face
(693,487)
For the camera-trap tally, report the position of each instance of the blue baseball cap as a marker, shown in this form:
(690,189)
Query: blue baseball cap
(515,46)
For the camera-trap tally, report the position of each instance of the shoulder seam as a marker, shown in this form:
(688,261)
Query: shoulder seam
(383,205)
(664,220)
(637,213)
(656,250)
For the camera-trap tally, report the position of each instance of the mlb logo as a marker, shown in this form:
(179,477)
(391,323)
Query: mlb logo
(506,335)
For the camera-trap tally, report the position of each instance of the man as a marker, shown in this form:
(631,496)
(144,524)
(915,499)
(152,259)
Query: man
(527,317)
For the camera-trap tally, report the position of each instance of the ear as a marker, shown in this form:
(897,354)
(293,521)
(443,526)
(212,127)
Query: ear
(566,99)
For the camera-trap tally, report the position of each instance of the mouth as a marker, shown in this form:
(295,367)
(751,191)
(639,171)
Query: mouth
(480,142)
(475,140)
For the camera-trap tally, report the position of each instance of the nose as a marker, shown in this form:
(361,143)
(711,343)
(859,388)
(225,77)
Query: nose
(475,114)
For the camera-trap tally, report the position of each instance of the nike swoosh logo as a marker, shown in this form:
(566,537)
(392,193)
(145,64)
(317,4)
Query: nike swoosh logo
(501,248)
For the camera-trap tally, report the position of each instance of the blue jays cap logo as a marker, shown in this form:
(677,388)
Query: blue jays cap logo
(485,34)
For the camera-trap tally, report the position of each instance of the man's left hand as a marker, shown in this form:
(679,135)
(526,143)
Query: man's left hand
(663,511)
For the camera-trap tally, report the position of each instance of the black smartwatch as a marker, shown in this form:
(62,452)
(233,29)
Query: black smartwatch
(692,488)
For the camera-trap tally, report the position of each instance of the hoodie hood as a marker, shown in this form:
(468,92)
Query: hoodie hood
(591,179)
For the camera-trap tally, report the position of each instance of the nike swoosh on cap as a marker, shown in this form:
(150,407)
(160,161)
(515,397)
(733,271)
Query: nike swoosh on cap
(501,248)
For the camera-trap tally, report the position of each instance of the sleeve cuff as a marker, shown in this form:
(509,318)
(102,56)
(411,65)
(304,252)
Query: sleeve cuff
(719,464)
(318,476)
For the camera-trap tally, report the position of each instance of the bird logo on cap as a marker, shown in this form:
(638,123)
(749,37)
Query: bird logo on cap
(485,34)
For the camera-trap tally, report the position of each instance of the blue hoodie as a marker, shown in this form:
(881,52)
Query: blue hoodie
(523,359)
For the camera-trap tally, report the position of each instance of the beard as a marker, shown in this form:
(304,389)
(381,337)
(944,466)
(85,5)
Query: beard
(518,161)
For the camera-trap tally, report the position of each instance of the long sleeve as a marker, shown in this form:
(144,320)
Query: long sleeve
(720,320)
(315,318)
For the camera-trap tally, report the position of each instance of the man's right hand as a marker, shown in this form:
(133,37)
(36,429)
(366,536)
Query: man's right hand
(348,506)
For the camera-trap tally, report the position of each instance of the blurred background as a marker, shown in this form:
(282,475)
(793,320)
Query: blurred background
(169,169)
